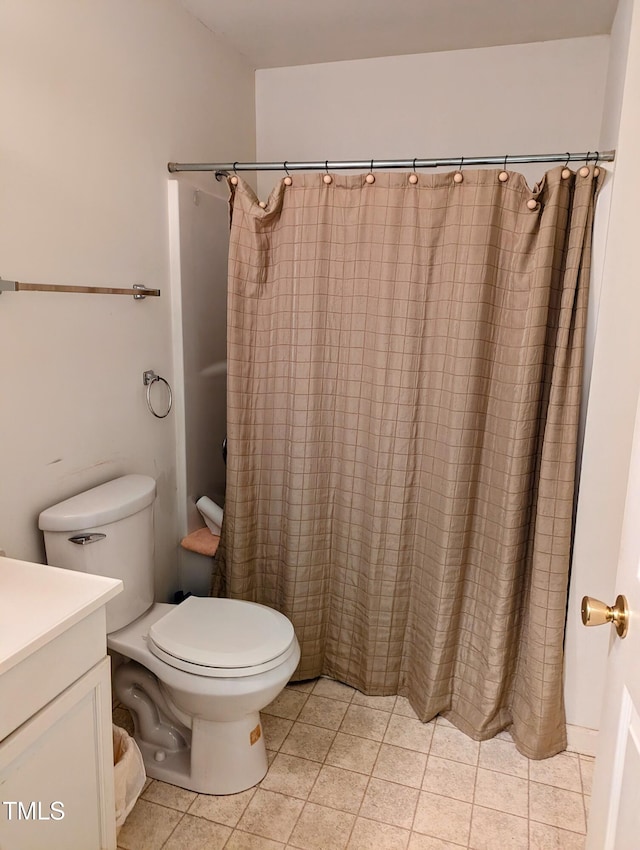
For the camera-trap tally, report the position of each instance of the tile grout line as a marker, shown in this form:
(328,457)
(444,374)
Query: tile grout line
(337,731)
(473,796)
(528,797)
(182,814)
(279,750)
(428,754)
(528,801)
(306,799)
(584,796)
(369,778)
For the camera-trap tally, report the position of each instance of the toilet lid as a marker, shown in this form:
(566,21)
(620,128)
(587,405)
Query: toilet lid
(222,633)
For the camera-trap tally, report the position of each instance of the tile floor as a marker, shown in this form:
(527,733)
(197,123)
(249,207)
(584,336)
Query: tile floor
(351,772)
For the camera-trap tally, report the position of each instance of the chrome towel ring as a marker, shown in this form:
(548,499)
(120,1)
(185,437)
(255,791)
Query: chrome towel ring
(148,379)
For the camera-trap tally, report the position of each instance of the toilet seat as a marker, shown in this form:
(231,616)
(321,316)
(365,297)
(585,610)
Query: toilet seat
(222,637)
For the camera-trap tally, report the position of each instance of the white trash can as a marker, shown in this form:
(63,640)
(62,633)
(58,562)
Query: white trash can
(129,775)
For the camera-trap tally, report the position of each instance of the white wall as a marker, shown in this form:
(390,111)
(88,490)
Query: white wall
(526,98)
(615,77)
(532,98)
(95,98)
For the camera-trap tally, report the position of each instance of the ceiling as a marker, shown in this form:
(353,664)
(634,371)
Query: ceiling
(275,33)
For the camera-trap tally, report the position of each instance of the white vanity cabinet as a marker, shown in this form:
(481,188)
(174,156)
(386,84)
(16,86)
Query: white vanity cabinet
(56,751)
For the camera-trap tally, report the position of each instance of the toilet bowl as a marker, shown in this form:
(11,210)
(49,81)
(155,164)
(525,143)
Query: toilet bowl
(197,674)
(200,711)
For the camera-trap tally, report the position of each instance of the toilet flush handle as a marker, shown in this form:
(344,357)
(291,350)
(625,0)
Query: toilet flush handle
(83,539)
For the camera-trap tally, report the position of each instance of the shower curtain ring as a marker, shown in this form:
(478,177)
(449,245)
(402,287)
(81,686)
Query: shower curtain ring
(327,177)
(596,170)
(504,174)
(457,177)
(584,171)
(566,172)
(287,180)
(234,179)
(370,178)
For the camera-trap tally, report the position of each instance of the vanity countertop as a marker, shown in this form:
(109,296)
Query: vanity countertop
(38,603)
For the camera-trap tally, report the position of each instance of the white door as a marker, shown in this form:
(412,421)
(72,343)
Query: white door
(614,821)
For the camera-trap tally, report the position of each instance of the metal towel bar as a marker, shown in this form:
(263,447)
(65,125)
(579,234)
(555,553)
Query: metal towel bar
(137,290)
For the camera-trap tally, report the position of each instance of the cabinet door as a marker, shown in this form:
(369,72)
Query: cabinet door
(63,755)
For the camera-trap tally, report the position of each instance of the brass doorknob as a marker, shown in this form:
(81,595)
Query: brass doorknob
(595,613)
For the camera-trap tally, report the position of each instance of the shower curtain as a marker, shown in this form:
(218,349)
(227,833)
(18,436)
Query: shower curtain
(404,373)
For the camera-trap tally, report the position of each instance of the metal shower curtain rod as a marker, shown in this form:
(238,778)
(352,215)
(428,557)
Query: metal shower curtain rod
(453,161)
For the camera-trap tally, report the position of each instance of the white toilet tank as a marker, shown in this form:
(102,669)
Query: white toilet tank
(108,531)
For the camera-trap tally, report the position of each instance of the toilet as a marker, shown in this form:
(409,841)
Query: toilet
(197,674)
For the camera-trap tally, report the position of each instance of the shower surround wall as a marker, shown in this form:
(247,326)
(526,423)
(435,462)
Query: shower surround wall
(96,98)
(529,98)
(199,245)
